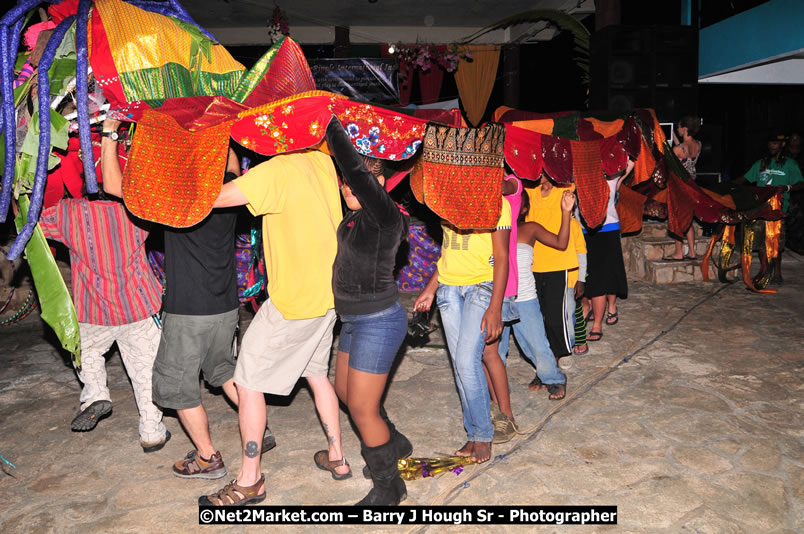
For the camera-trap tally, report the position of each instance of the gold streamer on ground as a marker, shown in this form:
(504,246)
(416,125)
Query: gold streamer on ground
(414,468)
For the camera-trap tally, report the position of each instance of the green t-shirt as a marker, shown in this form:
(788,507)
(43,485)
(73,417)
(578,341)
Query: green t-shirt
(776,174)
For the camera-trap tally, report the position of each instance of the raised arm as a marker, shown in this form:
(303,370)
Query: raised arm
(110,165)
(373,197)
(530,232)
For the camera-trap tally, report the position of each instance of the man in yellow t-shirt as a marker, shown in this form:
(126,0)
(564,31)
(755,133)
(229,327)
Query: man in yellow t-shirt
(551,269)
(291,334)
(470,281)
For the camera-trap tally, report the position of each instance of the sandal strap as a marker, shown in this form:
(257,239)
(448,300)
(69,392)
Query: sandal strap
(324,459)
(232,489)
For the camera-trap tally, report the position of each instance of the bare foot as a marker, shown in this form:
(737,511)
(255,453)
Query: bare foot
(481,452)
(466,450)
(536,384)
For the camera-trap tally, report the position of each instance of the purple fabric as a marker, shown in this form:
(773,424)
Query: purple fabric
(40,178)
(81,47)
(6,74)
(422,258)
(9,42)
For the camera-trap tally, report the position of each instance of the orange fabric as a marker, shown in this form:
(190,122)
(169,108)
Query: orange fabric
(680,205)
(606,128)
(462,171)
(542,126)
(173,175)
(499,112)
(476,80)
(644,164)
(629,209)
(726,200)
(773,229)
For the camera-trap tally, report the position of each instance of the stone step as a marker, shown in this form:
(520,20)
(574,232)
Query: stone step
(656,248)
(671,272)
(659,229)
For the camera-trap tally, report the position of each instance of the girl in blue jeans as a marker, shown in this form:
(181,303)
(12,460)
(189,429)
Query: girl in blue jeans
(529,330)
(470,281)
(374,323)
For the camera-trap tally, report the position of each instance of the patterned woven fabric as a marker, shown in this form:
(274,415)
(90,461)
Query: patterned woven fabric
(593,191)
(461,173)
(280,73)
(173,176)
(159,57)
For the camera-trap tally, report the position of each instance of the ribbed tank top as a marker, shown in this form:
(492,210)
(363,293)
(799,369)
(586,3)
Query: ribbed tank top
(527,285)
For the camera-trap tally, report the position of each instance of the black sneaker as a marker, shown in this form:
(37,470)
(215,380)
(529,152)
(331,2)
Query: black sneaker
(87,419)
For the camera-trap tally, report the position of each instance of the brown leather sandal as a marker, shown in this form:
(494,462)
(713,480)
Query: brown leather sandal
(232,494)
(321,459)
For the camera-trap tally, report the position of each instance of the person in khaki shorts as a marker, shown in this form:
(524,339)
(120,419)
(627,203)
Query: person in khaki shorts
(291,335)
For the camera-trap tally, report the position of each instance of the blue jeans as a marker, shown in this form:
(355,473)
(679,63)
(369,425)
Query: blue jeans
(372,340)
(462,309)
(532,339)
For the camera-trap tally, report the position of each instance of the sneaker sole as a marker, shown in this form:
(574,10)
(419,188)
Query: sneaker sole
(212,475)
(88,419)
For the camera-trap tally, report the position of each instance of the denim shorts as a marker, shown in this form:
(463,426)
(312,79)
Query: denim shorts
(372,340)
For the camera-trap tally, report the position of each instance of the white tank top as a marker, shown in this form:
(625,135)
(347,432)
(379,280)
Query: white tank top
(524,261)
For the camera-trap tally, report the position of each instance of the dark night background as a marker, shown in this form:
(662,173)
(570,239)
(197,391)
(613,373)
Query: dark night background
(737,118)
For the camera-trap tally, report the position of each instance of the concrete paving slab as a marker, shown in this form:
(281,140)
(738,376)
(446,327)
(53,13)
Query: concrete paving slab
(687,415)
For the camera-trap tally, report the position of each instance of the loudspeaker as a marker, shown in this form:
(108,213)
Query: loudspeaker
(646,66)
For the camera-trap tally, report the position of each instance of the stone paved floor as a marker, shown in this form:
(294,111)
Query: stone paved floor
(700,430)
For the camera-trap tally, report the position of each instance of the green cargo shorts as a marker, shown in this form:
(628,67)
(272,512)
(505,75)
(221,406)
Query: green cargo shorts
(192,344)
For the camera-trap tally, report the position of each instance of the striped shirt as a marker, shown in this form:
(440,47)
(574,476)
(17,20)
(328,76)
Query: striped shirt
(112,282)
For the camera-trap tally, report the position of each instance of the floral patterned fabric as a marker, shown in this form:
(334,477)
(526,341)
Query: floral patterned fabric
(298,122)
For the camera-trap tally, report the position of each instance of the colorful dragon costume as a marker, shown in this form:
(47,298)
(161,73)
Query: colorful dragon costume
(147,62)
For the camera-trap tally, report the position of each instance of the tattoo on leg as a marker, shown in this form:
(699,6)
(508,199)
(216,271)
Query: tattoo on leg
(331,439)
(252,450)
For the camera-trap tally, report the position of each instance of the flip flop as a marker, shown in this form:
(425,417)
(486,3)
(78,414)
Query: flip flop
(691,258)
(591,338)
(674,259)
(610,316)
(580,349)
